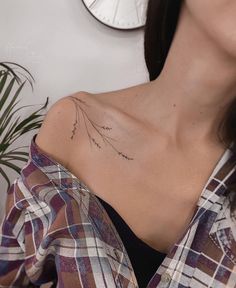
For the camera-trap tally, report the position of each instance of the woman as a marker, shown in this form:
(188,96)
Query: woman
(157,209)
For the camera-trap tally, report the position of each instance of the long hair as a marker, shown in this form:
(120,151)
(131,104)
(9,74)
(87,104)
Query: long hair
(161,21)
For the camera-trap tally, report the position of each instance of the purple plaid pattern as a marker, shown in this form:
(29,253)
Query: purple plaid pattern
(55,230)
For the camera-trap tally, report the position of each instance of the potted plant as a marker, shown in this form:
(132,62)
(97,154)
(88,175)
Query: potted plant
(12,126)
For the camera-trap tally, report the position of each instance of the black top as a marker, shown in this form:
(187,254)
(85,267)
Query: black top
(144,259)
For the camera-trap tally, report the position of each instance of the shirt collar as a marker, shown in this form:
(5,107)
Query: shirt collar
(214,188)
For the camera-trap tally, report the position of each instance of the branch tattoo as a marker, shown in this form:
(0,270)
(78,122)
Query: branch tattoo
(79,104)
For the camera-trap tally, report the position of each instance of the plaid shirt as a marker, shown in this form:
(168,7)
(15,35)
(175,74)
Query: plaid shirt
(55,230)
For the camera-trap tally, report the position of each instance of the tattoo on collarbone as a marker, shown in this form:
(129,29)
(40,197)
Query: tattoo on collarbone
(79,103)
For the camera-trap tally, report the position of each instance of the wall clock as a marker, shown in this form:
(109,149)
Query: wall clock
(119,14)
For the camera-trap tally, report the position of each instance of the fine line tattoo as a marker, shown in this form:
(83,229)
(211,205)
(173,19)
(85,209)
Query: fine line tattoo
(78,106)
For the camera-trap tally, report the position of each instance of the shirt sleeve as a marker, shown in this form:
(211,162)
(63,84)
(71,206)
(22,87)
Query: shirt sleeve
(12,248)
(15,254)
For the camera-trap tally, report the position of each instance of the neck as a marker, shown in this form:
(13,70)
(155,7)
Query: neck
(196,85)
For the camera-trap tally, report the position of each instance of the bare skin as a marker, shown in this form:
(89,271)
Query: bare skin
(160,178)
(164,145)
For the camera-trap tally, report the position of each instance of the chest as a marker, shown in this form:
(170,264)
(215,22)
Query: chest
(156,195)
(157,198)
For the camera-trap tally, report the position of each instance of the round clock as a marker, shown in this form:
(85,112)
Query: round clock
(118,14)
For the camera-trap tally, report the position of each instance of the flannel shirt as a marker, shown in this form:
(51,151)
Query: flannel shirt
(55,230)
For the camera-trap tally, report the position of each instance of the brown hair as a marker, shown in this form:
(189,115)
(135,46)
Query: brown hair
(161,22)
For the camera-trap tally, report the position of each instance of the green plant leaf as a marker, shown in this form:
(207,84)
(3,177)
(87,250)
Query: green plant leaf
(6,110)
(26,121)
(8,117)
(6,93)
(12,126)
(18,153)
(10,165)
(31,117)
(15,149)
(29,124)
(15,74)
(11,155)
(3,147)
(8,134)
(30,127)
(8,157)
(16,64)
(8,70)
(27,128)
(28,79)
(2,83)
(6,177)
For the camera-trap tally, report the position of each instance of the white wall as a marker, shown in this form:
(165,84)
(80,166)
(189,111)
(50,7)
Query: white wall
(66,50)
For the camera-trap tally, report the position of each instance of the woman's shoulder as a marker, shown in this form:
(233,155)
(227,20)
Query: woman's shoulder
(69,120)
(55,134)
